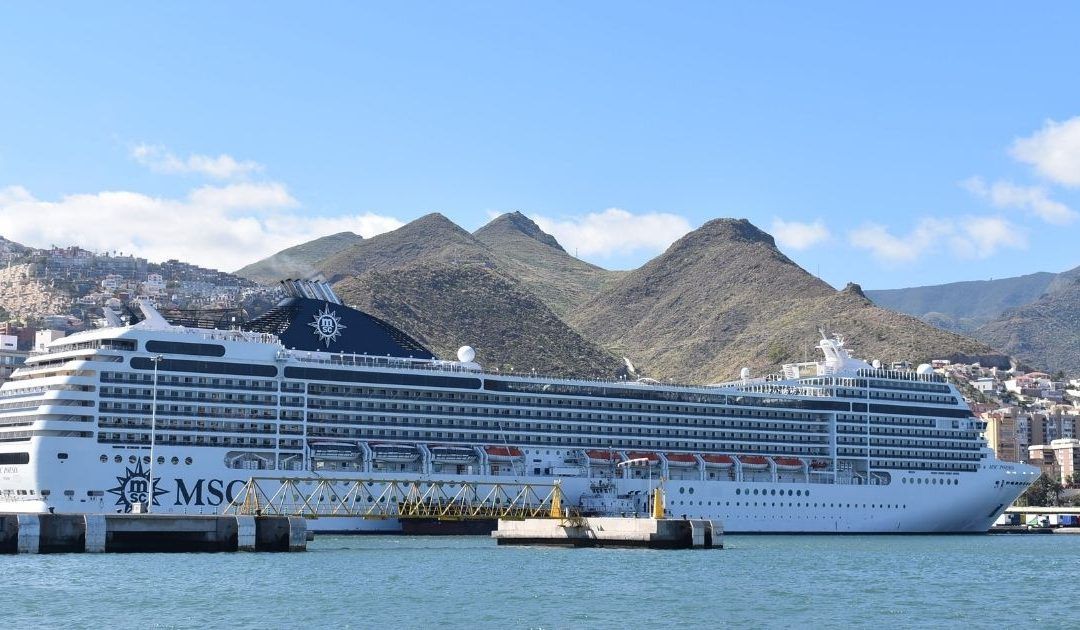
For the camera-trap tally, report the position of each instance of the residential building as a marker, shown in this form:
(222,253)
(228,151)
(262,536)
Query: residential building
(1058,459)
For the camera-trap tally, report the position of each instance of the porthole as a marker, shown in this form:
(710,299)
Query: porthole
(160,459)
(682,490)
(118,459)
(174,460)
(187,460)
(104,458)
(132,459)
(738,491)
(691,490)
(755,493)
(798,493)
(773,492)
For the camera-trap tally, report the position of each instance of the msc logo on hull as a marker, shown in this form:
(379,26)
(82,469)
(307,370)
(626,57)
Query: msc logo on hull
(134,487)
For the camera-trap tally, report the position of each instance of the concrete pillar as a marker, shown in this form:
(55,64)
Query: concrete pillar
(29,533)
(95,533)
(697,533)
(297,533)
(245,533)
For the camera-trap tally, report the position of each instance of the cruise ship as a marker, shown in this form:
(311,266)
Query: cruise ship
(317,389)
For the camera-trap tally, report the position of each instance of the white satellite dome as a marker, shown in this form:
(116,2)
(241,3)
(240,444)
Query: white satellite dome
(876,364)
(744,373)
(924,368)
(466,354)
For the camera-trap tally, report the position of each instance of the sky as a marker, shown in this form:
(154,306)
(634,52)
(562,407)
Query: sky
(889,144)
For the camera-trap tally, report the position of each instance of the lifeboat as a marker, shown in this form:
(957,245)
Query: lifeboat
(819,464)
(754,462)
(788,463)
(334,451)
(682,460)
(652,459)
(718,461)
(395,453)
(597,456)
(452,454)
(503,453)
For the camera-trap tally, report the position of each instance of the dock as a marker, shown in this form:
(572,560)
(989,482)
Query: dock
(611,531)
(1032,529)
(133,533)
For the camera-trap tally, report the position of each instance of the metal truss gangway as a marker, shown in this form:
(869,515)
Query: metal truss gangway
(319,497)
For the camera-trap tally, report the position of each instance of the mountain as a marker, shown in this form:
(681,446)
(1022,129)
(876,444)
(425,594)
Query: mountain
(298,261)
(448,305)
(723,297)
(964,306)
(536,259)
(1045,333)
(432,237)
(11,247)
(25,293)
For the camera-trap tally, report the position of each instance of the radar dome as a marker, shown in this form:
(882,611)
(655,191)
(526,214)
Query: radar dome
(876,364)
(466,354)
(744,373)
(924,368)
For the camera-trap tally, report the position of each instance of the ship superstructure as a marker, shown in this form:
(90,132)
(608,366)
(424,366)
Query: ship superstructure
(317,388)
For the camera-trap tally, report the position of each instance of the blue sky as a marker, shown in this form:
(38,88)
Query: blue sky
(888,144)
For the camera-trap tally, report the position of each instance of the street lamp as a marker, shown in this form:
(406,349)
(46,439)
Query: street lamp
(153,426)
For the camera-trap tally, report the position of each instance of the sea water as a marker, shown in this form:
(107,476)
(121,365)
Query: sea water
(468,582)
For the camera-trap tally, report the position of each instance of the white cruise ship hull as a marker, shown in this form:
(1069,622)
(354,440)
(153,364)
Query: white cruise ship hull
(971,505)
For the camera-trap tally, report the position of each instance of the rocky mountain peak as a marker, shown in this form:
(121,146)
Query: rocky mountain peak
(854,289)
(735,230)
(517,223)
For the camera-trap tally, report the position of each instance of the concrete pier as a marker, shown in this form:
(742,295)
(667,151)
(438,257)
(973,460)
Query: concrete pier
(128,533)
(650,533)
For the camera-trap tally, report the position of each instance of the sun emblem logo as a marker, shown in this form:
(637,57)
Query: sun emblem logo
(134,486)
(327,326)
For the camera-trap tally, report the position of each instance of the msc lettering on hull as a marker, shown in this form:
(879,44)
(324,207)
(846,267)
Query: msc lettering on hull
(216,492)
(134,487)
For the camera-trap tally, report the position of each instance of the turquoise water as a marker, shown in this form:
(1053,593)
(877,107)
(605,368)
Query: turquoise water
(423,582)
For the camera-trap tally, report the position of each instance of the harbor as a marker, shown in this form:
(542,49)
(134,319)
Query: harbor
(406,582)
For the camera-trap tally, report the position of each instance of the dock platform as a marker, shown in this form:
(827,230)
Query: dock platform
(130,533)
(650,533)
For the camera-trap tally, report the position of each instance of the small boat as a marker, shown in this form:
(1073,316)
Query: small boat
(651,458)
(718,461)
(443,454)
(503,453)
(788,463)
(334,451)
(597,456)
(682,460)
(819,464)
(603,499)
(394,453)
(754,462)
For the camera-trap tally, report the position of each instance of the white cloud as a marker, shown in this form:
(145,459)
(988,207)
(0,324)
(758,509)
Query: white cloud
(967,238)
(795,235)
(161,160)
(222,227)
(1054,151)
(615,231)
(1032,198)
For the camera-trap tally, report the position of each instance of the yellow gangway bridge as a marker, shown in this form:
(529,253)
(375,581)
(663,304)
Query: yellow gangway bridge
(318,497)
